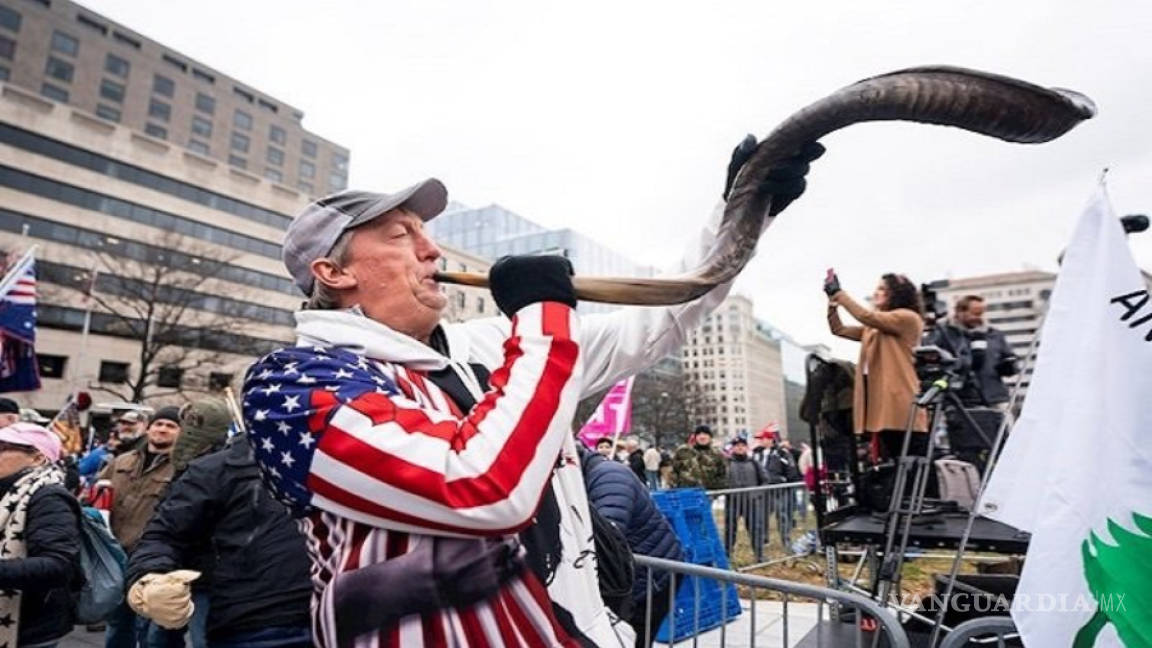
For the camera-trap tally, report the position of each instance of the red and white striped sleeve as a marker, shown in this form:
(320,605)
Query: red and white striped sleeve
(383,459)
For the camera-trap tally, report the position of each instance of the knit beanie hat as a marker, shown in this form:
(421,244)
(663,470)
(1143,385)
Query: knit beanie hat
(170,413)
(204,425)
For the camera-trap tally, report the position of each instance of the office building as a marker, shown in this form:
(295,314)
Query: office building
(733,372)
(493,231)
(82,189)
(94,195)
(793,359)
(118,157)
(465,303)
(63,52)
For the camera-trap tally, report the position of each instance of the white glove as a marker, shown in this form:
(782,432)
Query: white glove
(164,598)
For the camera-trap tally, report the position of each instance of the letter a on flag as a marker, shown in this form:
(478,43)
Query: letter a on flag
(1076,470)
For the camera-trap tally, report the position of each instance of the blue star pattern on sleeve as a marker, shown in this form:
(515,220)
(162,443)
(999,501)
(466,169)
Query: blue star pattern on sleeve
(284,422)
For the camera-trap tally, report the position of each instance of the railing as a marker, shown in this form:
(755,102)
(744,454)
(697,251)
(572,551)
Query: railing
(759,524)
(777,628)
(983,632)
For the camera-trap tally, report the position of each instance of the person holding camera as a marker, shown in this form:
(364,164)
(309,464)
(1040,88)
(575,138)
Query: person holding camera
(886,384)
(983,353)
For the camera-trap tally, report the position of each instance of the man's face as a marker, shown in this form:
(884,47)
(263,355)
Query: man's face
(703,439)
(973,316)
(8,418)
(162,434)
(740,449)
(605,449)
(392,260)
(127,429)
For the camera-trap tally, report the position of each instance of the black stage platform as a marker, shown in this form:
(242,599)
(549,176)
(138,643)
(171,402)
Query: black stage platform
(935,531)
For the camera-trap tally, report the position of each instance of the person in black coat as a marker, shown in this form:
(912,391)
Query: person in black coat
(636,459)
(744,472)
(261,589)
(42,562)
(782,468)
(618,495)
(982,351)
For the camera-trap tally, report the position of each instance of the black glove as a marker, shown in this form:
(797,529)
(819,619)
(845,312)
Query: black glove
(785,183)
(831,284)
(516,281)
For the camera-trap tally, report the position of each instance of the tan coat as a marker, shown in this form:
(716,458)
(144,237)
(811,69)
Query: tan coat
(887,339)
(135,493)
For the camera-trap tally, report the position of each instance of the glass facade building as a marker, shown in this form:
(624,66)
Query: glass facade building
(493,231)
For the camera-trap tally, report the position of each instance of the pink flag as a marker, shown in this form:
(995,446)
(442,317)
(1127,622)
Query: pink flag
(613,416)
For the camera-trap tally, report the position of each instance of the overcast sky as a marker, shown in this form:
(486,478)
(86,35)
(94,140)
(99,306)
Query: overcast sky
(617,119)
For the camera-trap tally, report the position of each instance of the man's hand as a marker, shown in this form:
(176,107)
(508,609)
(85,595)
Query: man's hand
(785,183)
(517,281)
(164,598)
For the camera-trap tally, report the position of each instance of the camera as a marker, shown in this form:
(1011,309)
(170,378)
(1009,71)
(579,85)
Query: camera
(933,363)
(935,309)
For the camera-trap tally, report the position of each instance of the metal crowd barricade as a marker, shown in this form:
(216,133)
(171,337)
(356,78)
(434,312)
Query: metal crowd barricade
(758,524)
(780,630)
(983,632)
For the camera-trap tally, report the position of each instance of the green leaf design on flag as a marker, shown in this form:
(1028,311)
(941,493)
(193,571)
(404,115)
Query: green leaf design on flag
(1120,579)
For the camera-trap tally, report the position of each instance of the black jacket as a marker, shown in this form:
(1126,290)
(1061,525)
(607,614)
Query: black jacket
(636,463)
(985,369)
(778,463)
(744,472)
(50,573)
(626,502)
(260,576)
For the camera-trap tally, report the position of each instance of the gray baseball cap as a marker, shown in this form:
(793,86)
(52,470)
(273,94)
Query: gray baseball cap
(315,230)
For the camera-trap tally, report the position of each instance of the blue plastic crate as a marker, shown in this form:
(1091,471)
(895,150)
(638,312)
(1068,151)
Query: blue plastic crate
(698,601)
(690,512)
(698,608)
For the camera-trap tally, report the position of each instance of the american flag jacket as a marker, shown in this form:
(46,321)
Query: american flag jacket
(374,457)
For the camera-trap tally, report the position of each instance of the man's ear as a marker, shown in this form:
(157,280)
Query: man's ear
(332,275)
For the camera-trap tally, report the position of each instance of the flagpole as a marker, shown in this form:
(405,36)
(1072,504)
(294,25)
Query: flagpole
(14,270)
(993,453)
(82,356)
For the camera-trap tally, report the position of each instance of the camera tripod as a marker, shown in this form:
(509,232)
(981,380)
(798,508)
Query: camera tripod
(913,472)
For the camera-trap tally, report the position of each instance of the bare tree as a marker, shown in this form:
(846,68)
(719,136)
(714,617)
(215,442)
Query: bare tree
(162,296)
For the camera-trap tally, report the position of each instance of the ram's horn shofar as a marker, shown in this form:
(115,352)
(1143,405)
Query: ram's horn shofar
(989,104)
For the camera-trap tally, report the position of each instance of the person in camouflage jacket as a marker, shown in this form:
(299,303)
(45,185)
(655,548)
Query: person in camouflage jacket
(699,464)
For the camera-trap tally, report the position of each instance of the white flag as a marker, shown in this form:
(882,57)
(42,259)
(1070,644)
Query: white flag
(1077,469)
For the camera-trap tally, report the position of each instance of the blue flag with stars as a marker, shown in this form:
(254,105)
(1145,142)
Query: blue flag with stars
(288,396)
(19,370)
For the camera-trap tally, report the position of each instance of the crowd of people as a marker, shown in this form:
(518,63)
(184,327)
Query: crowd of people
(734,466)
(391,479)
(210,554)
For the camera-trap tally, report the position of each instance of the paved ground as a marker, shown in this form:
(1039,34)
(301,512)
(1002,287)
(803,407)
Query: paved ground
(768,631)
(769,628)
